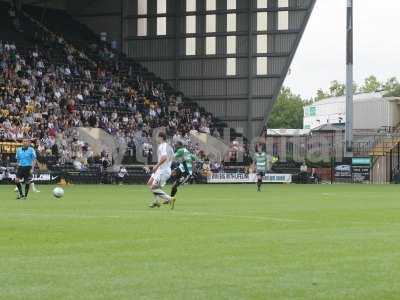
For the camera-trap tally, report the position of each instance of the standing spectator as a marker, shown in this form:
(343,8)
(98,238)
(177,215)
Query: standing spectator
(122,174)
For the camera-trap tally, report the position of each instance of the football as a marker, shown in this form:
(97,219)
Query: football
(58,192)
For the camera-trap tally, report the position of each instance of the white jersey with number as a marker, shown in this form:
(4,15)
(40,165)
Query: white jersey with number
(165,149)
(163,173)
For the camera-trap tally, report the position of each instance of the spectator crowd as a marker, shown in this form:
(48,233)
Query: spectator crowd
(51,87)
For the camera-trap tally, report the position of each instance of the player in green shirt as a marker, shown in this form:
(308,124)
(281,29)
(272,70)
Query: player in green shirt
(261,164)
(183,170)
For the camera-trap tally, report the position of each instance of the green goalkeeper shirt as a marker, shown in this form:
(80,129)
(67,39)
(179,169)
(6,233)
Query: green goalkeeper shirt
(184,155)
(261,161)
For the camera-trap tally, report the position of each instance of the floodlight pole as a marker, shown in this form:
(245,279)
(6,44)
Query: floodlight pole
(349,82)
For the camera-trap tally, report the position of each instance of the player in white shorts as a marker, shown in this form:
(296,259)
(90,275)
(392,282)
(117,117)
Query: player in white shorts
(161,173)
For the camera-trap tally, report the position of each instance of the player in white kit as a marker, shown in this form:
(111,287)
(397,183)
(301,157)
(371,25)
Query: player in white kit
(161,173)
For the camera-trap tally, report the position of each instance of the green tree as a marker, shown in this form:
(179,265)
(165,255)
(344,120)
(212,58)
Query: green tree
(371,84)
(392,87)
(321,95)
(337,89)
(287,111)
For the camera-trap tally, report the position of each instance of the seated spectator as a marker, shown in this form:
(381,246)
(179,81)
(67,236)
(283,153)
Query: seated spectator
(206,168)
(51,89)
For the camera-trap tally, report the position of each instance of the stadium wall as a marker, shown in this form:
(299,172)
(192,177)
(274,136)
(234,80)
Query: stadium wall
(243,98)
(100,16)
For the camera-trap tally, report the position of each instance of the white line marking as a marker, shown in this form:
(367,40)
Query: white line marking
(129,214)
(191,214)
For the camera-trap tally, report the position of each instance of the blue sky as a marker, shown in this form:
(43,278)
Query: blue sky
(320,57)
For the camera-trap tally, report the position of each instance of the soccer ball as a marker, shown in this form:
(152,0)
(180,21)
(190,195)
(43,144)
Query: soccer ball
(58,192)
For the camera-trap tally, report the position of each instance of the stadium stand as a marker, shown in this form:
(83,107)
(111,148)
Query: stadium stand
(57,75)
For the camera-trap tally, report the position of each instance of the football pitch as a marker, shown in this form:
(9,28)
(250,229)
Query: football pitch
(220,242)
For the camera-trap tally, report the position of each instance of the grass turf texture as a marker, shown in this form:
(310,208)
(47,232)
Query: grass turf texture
(221,242)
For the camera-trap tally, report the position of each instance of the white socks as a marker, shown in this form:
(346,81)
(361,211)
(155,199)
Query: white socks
(160,193)
(34,188)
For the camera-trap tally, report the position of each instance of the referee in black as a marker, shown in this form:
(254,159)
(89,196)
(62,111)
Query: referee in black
(26,159)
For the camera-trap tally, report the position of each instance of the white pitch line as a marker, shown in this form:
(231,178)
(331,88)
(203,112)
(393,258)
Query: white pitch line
(264,218)
(191,214)
(83,216)
(227,216)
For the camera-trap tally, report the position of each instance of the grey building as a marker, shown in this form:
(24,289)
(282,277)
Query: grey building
(370,111)
(231,56)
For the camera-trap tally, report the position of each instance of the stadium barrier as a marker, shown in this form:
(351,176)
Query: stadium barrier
(7,176)
(248,178)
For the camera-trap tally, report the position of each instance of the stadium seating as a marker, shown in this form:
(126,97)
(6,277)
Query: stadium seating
(64,77)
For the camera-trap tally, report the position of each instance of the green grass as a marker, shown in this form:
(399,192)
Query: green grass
(221,242)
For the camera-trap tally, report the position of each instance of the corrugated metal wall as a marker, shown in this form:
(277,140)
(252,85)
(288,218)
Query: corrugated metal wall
(241,100)
(104,16)
(375,113)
